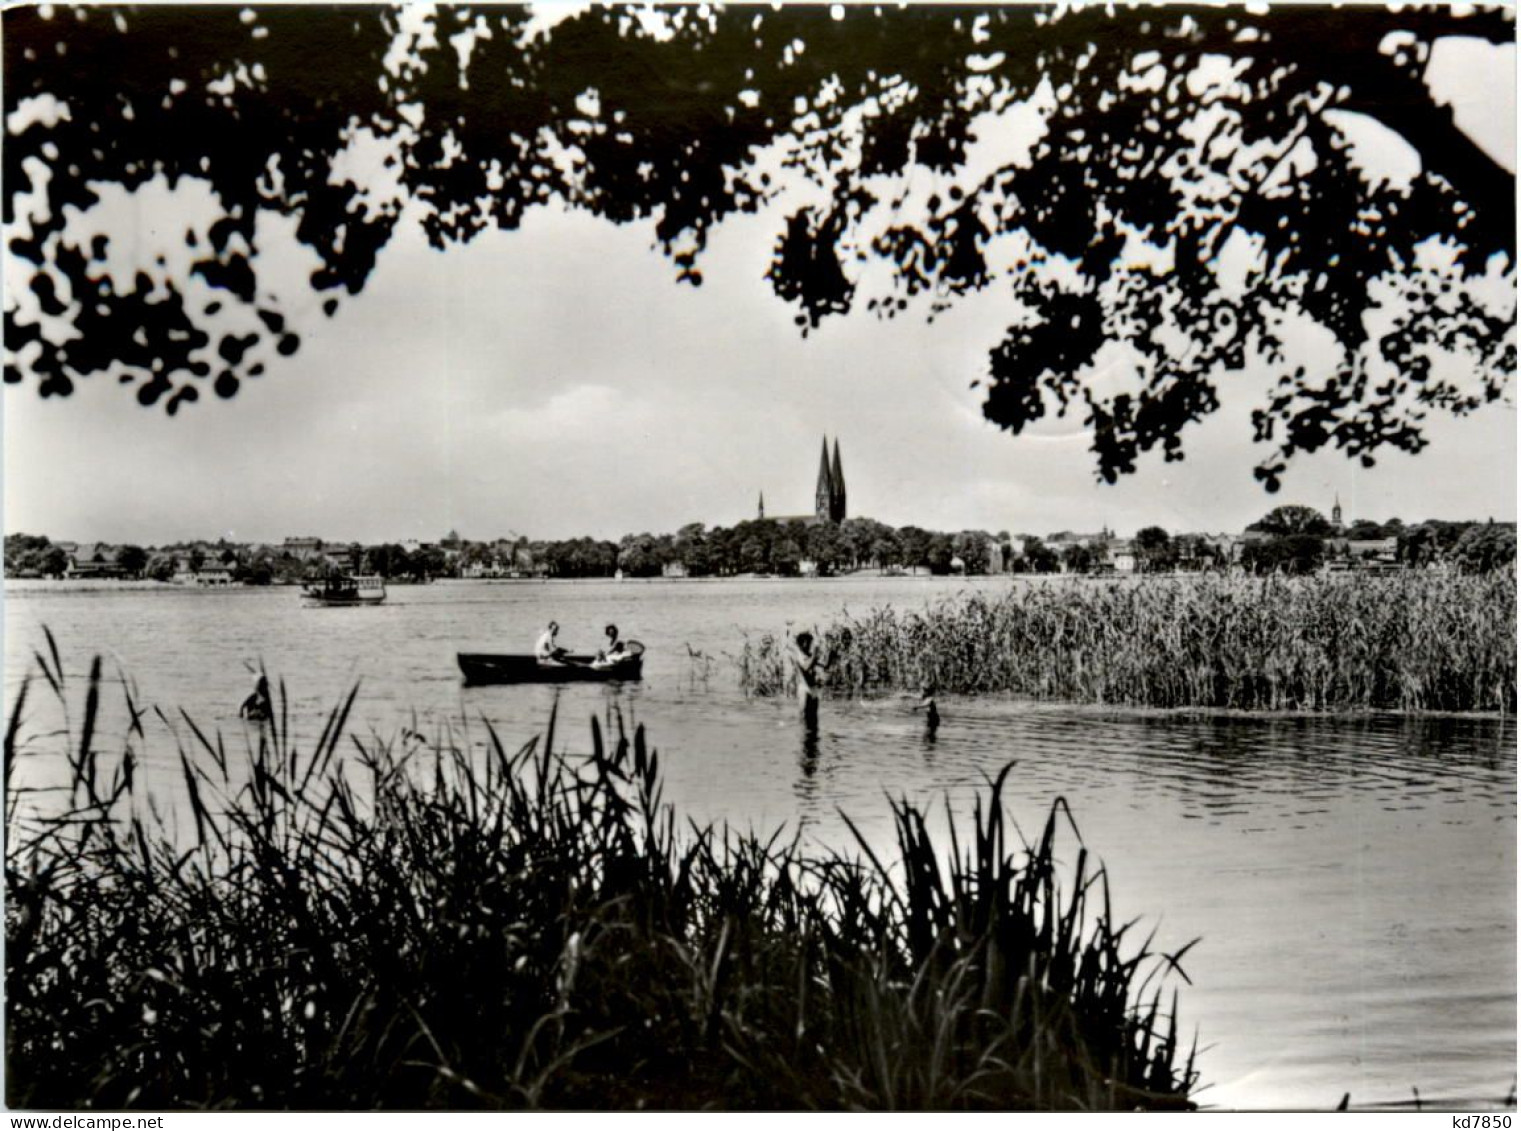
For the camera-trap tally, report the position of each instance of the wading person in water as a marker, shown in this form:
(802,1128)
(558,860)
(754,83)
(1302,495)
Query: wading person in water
(808,664)
(257,707)
(927,705)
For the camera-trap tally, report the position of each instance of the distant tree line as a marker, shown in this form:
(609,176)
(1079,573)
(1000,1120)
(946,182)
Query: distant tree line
(1298,539)
(763,546)
(1289,539)
(34,554)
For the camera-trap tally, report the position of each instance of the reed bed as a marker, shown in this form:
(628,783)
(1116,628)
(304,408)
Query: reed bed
(445,923)
(1413,641)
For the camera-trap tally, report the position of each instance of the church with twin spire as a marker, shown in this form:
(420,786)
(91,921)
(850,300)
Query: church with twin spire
(828,493)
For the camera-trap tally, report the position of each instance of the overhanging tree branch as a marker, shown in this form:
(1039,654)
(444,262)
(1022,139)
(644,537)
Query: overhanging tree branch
(634,122)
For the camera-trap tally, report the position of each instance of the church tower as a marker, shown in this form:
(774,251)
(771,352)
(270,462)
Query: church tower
(1336,513)
(823,494)
(837,476)
(760,508)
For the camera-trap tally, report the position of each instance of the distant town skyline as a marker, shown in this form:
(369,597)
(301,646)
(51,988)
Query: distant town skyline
(558,381)
(1334,514)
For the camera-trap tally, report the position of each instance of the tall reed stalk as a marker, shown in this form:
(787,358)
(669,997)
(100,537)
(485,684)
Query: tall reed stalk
(441,924)
(1414,641)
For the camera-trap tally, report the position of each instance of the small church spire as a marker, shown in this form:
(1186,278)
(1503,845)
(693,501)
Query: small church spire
(760,508)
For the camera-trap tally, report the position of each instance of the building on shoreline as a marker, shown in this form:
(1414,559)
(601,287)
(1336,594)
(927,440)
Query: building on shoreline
(94,560)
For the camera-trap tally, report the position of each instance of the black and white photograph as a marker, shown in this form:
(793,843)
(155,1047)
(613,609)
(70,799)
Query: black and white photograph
(814,558)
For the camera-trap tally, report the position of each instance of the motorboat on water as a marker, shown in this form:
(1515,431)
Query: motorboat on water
(347,589)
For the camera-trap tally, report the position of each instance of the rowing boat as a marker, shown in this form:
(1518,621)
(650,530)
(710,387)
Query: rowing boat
(524,667)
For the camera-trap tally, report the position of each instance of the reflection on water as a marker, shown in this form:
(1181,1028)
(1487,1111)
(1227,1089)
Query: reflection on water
(1352,879)
(808,755)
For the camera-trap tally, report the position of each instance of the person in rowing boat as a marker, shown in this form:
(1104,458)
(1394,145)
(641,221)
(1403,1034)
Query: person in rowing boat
(548,650)
(614,653)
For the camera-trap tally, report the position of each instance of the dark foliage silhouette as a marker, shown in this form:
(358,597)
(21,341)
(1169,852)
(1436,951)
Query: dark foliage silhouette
(1190,196)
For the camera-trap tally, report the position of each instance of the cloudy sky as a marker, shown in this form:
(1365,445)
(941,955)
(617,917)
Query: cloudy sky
(557,381)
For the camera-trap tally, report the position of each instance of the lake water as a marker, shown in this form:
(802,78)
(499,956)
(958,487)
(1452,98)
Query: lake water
(1352,879)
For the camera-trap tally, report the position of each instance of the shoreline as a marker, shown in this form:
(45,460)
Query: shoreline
(28,584)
